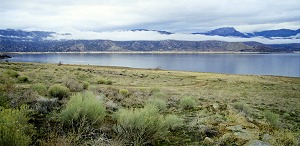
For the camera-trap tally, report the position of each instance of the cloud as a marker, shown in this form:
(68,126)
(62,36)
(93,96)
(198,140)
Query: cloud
(170,15)
(154,36)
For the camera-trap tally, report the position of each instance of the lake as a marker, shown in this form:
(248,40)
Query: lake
(250,64)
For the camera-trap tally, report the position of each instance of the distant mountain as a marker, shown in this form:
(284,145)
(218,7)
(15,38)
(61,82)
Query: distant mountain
(127,46)
(231,32)
(159,31)
(276,33)
(42,41)
(24,35)
(225,31)
(260,47)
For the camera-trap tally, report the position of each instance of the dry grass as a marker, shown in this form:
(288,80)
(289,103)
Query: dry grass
(280,95)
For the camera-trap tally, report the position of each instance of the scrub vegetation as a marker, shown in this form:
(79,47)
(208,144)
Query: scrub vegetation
(51,104)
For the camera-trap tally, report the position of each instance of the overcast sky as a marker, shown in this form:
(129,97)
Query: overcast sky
(183,16)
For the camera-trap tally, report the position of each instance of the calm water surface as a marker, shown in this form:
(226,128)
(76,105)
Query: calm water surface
(252,64)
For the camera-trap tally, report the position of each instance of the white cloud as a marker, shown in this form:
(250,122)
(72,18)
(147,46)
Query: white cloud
(154,36)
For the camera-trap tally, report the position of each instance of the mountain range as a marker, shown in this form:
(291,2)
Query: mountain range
(232,32)
(12,40)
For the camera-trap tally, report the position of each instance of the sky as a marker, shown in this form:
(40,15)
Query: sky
(179,16)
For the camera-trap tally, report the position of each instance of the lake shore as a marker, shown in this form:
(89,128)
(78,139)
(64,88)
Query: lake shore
(230,63)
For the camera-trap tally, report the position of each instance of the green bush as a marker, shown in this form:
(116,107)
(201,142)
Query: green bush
(242,107)
(59,91)
(14,127)
(12,73)
(82,107)
(40,88)
(23,79)
(187,102)
(100,81)
(6,87)
(124,92)
(159,103)
(141,126)
(272,118)
(104,81)
(86,85)
(4,100)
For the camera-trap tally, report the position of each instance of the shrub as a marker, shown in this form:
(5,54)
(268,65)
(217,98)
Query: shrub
(141,126)
(101,81)
(124,92)
(159,103)
(284,137)
(59,91)
(86,85)
(242,107)
(73,85)
(23,79)
(44,105)
(81,107)
(14,127)
(12,73)
(272,118)
(173,121)
(108,82)
(187,102)
(4,100)
(104,81)
(40,88)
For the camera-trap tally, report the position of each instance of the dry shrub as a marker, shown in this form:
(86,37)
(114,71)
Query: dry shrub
(73,85)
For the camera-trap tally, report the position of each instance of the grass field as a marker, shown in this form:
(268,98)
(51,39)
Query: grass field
(210,109)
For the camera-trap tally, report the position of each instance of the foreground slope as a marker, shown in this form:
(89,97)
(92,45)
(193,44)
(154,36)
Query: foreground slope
(225,109)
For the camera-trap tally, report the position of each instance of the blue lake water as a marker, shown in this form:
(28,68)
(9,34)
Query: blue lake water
(251,64)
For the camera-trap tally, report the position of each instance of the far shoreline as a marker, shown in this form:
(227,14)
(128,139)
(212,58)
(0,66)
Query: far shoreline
(154,52)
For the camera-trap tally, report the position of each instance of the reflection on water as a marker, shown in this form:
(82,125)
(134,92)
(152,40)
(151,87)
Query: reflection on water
(256,64)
